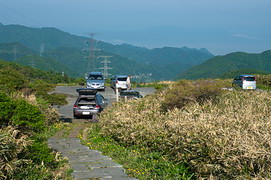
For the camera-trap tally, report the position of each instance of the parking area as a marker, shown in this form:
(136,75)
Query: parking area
(66,112)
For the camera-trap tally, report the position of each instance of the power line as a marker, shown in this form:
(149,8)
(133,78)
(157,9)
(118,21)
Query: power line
(6,17)
(21,15)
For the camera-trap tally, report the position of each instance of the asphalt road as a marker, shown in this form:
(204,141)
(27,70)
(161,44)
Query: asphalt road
(66,112)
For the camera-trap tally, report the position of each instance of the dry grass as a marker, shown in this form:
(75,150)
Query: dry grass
(223,140)
(11,145)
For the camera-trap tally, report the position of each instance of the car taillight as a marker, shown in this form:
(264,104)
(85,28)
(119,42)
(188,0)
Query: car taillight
(117,82)
(243,79)
(97,106)
(75,106)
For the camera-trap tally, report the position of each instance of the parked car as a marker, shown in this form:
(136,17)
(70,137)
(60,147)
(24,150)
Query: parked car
(95,80)
(88,103)
(119,82)
(245,82)
(130,94)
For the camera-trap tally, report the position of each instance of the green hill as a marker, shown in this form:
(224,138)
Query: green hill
(162,56)
(12,51)
(72,57)
(15,52)
(32,74)
(162,63)
(221,65)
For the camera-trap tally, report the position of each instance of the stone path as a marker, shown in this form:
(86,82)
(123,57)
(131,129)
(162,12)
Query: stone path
(87,163)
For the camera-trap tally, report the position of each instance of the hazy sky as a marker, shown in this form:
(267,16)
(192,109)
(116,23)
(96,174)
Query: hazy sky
(223,26)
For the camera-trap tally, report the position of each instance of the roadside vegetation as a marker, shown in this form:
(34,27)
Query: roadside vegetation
(155,85)
(27,120)
(193,129)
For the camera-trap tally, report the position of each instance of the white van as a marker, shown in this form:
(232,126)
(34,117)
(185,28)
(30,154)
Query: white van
(245,82)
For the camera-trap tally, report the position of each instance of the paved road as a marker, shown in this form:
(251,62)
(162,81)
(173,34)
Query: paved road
(86,163)
(66,111)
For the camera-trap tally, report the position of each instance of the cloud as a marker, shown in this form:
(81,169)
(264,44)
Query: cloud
(245,36)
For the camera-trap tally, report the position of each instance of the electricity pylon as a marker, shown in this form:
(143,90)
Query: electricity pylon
(105,68)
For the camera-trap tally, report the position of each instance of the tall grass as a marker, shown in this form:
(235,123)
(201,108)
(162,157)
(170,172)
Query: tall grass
(224,139)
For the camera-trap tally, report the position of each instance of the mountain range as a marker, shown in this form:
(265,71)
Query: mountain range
(230,64)
(69,51)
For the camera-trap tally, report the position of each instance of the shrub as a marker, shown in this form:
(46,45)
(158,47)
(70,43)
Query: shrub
(11,80)
(56,99)
(264,80)
(226,139)
(27,116)
(20,113)
(12,145)
(7,107)
(185,92)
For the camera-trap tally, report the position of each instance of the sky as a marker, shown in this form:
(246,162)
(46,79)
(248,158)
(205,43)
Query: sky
(221,26)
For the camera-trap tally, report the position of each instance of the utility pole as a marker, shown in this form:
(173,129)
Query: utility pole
(105,68)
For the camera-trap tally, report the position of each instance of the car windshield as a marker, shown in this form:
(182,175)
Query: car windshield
(95,77)
(250,78)
(122,79)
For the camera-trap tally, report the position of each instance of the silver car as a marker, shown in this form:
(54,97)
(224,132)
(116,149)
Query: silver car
(245,82)
(88,104)
(95,80)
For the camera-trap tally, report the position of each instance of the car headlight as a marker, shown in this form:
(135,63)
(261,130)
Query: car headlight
(102,84)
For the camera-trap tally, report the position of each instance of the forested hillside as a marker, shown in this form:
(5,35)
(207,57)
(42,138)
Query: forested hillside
(161,63)
(220,66)
(15,52)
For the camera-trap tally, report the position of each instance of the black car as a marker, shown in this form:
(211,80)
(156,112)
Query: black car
(88,104)
(130,94)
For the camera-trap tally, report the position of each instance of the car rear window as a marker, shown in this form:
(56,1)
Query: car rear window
(95,77)
(86,101)
(122,79)
(250,78)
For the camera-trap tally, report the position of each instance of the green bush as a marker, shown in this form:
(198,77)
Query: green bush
(39,153)
(185,92)
(7,107)
(11,80)
(56,99)
(20,113)
(28,116)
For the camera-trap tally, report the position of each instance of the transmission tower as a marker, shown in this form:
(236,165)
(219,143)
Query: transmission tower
(91,57)
(14,52)
(105,68)
(41,49)
(32,63)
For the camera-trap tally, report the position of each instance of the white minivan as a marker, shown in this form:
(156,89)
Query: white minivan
(245,82)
